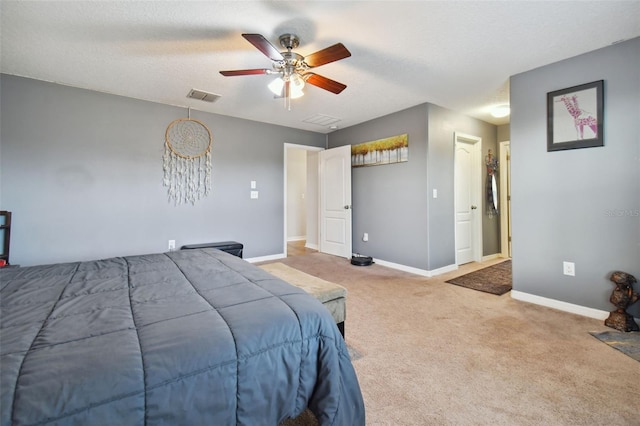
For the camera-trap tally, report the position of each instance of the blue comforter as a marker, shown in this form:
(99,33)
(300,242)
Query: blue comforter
(194,337)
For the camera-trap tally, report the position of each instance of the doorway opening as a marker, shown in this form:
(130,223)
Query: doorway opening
(300,195)
(468,199)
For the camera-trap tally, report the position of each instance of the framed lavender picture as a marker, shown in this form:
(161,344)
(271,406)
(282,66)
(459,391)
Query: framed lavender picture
(575,117)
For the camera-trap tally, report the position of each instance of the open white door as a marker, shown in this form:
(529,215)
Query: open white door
(335,201)
(467,199)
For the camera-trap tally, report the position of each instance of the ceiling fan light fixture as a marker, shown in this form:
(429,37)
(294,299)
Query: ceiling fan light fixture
(295,94)
(500,111)
(276,86)
(296,84)
(293,67)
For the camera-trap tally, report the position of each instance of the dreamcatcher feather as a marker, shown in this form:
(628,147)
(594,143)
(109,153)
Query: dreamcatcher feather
(187,161)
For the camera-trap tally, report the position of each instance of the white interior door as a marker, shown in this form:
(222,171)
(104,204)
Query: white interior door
(467,199)
(335,201)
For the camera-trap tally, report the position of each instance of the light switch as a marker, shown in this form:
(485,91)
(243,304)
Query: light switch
(435,193)
(253,184)
(254,195)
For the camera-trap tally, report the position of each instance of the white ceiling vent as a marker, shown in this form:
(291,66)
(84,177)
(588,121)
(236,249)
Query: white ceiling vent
(201,95)
(322,120)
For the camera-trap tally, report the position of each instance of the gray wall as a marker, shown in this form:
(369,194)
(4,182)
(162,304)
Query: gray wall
(580,205)
(393,203)
(82,173)
(442,125)
(504,133)
(388,201)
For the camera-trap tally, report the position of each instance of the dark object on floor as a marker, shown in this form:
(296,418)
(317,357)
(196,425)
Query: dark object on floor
(495,279)
(622,297)
(361,260)
(305,419)
(627,343)
(230,247)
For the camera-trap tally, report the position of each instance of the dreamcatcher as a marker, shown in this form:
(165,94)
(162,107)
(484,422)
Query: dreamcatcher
(187,160)
(492,188)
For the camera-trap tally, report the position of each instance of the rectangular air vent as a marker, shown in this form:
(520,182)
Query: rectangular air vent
(201,95)
(322,120)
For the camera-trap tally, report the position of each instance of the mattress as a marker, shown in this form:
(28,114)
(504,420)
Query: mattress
(186,337)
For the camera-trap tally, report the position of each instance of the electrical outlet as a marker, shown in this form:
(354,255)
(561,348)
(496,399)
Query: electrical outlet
(365,237)
(172,245)
(569,268)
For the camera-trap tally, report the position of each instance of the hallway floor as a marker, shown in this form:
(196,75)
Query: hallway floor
(297,248)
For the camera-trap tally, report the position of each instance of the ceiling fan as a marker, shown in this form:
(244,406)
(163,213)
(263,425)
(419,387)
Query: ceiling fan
(292,68)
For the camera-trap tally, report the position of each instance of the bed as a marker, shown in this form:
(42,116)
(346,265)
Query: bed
(189,337)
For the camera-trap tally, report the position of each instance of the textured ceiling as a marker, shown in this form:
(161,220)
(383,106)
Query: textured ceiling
(458,55)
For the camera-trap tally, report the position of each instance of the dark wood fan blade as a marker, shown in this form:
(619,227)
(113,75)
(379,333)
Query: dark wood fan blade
(324,83)
(330,54)
(263,45)
(245,72)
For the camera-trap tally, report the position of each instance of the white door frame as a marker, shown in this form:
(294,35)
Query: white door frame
(476,185)
(286,147)
(505,202)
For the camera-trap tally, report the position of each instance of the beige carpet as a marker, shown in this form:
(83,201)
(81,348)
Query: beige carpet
(439,354)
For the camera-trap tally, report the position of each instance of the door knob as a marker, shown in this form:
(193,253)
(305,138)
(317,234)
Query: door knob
(474,207)
(347,207)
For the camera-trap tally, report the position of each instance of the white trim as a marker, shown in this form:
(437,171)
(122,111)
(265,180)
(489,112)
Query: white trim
(492,256)
(287,146)
(298,238)
(416,271)
(311,246)
(477,195)
(561,306)
(504,172)
(266,258)
(443,270)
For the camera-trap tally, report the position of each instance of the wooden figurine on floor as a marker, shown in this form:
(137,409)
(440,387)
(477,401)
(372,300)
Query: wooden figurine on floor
(622,297)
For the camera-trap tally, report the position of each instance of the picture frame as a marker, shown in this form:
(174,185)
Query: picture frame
(394,149)
(575,117)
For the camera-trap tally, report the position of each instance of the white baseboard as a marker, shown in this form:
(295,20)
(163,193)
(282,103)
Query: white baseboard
(311,246)
(299,238)
(443,270)
(492,256)
(562,306)
(417,271)
(266,258)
